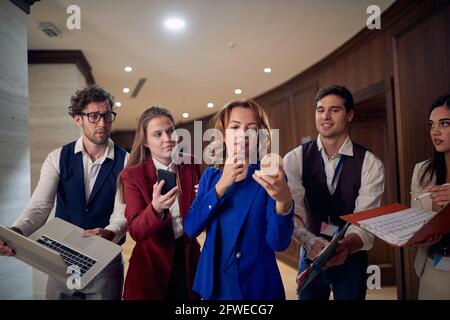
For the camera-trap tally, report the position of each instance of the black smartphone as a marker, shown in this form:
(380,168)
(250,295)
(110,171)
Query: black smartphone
(170,179)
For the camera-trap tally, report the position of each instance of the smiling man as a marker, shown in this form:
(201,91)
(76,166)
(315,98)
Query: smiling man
(82,176)
(329,177)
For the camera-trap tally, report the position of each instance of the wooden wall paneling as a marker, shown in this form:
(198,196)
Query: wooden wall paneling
(205,123)
(393,167)
(294,115)
(123,138)
(370,128)
(359,69)
(278,114)
(304,113)
(421,73)
(399,261)
(373,133)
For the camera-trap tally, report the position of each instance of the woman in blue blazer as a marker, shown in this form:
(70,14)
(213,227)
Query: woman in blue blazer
(247,215)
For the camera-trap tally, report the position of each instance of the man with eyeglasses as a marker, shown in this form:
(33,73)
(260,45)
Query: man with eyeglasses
(82,176)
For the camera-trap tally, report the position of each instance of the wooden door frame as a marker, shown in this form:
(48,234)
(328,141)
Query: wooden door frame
(386,88)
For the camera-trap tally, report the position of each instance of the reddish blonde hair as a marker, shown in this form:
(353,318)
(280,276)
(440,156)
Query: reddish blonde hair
(221,119)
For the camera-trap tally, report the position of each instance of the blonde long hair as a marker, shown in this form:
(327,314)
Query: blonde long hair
(139,152)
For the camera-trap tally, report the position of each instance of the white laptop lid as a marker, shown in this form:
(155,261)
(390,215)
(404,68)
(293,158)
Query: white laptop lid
(69,235)
(35,254)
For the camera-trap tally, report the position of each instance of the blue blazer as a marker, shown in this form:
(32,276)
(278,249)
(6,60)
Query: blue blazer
(258,233)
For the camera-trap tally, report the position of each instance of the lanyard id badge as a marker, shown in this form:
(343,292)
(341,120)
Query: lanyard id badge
(328,229)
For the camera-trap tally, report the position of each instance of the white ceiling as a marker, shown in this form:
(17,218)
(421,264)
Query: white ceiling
(188,69)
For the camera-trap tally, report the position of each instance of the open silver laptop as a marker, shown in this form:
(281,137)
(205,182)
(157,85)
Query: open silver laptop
(58,249)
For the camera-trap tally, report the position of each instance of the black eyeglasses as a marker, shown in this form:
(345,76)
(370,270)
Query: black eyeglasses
(95,117)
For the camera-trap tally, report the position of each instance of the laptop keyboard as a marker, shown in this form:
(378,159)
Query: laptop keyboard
(70,257)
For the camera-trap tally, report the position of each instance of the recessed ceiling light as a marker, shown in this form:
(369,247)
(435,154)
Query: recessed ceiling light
(118,104)
(210,105)
(128,69)
(126,90)
(267,70)
(174,24)
(185,115)
(238,91)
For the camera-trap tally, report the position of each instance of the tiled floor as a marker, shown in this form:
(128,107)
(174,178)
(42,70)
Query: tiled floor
(288,275)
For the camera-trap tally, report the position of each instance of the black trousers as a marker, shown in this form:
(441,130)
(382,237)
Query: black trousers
(177,289)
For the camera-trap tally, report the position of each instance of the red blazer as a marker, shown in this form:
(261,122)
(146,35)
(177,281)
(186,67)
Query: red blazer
(151,261)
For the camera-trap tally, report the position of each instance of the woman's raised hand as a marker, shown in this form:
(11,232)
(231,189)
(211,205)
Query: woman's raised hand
(277,188)
(231,170)
(161,202)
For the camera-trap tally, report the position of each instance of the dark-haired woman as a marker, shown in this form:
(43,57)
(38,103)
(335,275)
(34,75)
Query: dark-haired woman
(432,176)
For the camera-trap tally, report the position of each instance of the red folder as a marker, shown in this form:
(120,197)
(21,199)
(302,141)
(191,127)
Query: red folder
(438,225)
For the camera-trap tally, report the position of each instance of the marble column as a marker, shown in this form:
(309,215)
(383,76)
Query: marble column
(51,86)
(15,276)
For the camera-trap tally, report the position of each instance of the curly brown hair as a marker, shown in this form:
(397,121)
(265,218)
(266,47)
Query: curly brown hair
(82,98)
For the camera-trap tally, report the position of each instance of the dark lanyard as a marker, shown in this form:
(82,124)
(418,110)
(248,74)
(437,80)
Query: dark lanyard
(335,175)
(337,169)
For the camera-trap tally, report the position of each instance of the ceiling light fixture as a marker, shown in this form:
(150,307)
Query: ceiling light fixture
(174,24)
(128,69)
(238,91)
(210,105)
(185,115)
(118,104)
(126,90)
(267,70)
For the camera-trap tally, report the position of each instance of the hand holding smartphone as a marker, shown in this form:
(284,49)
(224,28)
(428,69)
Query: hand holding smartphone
(170,179)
